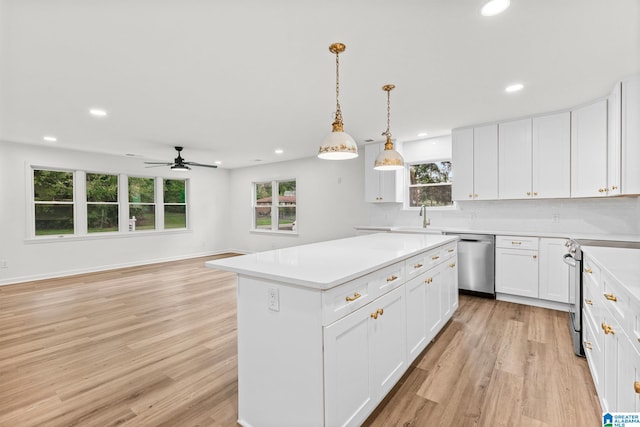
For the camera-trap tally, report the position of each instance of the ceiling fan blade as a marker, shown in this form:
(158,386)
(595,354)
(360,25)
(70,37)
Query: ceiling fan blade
(158,163)
(200,164)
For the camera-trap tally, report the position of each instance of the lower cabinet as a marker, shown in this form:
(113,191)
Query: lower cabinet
(517,272)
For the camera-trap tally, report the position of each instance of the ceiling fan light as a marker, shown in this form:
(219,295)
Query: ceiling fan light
(180,168)
(338,146)
(494,7)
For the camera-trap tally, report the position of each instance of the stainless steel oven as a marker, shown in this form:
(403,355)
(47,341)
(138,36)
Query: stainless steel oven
(575,260)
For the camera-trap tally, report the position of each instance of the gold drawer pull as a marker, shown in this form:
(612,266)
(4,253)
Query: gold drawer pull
(587,345)
(611,297)
(516,243)
(378,312)
(614,187)
(435,257)
(528,193)
(588,270)
(608,329)
(636,386)
(453,264)
(354,297)
(451,250)
(470,195)
(392,278)
(588,302)
(535,256)
(417,265)
(428,280)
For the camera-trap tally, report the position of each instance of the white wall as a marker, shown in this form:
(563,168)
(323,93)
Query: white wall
(329,197)
(28,259)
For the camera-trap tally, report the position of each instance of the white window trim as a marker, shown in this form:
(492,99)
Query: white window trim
(407,179)
(275,212)
(185,204)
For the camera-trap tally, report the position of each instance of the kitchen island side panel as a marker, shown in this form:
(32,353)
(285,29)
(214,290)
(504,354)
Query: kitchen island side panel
(280,355)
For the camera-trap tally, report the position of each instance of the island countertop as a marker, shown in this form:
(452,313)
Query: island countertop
(327,264)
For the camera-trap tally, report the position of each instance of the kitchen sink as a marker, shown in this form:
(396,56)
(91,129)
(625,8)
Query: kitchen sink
(416,230)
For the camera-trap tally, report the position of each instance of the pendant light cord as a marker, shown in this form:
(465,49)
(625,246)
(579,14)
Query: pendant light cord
(388,132)
(338,111)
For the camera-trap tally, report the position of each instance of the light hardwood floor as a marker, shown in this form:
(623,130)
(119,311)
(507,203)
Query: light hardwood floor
(156,345)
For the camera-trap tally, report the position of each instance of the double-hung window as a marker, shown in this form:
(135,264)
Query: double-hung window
(274,206)
(102,202)
(175,203)
(142,203)
(430,184)
(53,202)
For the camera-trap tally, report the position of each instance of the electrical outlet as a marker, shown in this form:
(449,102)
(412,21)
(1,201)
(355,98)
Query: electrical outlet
(4,263)
(273,302)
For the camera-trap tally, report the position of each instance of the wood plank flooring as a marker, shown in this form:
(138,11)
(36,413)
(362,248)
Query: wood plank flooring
(156,345)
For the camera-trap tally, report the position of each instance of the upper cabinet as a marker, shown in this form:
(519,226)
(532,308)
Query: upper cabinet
(630,124)
(614,141)
(514,146)
(551,170)
(589,150)
(380,186)
(475,163)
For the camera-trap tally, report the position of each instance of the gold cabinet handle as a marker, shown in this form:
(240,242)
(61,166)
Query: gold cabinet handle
(608,329)
(516,243)
(417,265)
(470,195)
(378,312)
(601,190)
(611,297)
(475,195)
(588,270)
(588,302)
(451,250)
(614,187)
(428,280)
(587,345)
(636,386)
(392,278)
(535,256)
(435,257)
(528,193)
(453,264)
(535,193)
(354,297)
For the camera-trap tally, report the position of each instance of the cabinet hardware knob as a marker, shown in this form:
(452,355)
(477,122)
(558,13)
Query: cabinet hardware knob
(354,297)
(428,280)
(614,187)
(587,345)
(417,265)
(453,264)
(588,270)
(636,386)
(535,256)
(470,195)
(378,312)
(528,193)
(451,250)
(475,195)
(611,297)
(392,278)
(516,243)
(600,190)
(588,302)
(435,257)
(535,193)
(608,329)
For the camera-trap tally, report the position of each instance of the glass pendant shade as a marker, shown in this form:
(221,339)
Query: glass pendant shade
(388,159)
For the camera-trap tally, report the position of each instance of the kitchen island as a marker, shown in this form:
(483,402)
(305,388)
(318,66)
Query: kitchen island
(326,330)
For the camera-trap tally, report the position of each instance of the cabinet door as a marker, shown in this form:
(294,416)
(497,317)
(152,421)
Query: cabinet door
(517,272)
(416,290)
(610,348)
(389,352)
(433,282)
(485,162)
(380,186)
(593,350)
(552,156)
(553,272)
(348,385)
(514,147)
(614,140)
(462,164)
(450,284)
(631,135)
(589,150)
(628,377)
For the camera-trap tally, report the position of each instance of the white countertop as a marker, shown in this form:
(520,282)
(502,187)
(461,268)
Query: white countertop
(621,264)
(327,264)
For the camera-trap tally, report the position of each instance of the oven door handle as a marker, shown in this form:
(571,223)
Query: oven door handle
(569,260)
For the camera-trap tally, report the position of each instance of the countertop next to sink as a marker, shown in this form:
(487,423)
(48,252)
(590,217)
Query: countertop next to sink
(567,235)
(327,264)
(622,264)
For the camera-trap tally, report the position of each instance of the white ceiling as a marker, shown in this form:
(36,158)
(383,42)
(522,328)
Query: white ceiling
(232,80)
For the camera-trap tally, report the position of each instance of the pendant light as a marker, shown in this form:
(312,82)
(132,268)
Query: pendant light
(338,145)
(389,159)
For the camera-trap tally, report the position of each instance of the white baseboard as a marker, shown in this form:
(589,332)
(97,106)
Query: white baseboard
(44,276)
(553,305)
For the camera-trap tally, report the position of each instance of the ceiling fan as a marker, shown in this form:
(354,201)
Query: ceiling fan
(179,164)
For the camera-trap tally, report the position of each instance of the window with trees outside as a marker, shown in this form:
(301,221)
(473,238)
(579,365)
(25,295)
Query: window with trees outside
(142,203)
(102,202)
(175,203)
(430,184)
(274,206)
(53,202)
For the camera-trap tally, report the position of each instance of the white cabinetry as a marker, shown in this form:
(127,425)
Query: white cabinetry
(515,159)
(475,163)
(553,273)
(631,135)
(517,266)
(552,156)
(614,141)
(380,186)
(589,150)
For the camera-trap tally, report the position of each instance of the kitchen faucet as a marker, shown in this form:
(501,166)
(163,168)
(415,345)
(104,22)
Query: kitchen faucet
(423,213)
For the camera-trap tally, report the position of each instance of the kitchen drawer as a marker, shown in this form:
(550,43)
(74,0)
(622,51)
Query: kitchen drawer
(344,299)
(517,242)
(593,341)
(634,330)
(591,273)
(418,264)
(450,250)
(382,281)
(616,300)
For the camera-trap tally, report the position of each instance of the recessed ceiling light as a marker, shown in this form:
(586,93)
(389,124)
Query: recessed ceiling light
(49,138)
(422,134)
(279,151)
(514,88)
(98,112)
(494,7)
(130,155)
(218,162)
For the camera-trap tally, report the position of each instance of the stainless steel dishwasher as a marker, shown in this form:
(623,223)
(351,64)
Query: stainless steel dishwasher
(476,264)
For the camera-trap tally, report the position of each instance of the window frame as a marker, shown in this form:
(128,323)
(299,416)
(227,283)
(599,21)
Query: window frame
(156,220)
(185,204)
(408,186)
(33,202)
(116,203)
(275,207)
